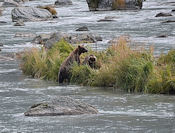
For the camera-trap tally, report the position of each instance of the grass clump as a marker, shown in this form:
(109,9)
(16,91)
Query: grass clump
(125,68)
(133,74)
(44,63)
(163,81)
(81,74)
(119,66)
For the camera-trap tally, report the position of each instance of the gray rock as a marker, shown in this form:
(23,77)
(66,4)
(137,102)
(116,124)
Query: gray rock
(49,39)
(3,22)
(21,1)
(0,12)
(162,36)
(169,21)
(162,14)
(95,5)
(107,19)
(10,3)
(30,14)
(42,38)
(83,28)
(63,2)
(1,44)
(19,23)
(62,105)
(25,35)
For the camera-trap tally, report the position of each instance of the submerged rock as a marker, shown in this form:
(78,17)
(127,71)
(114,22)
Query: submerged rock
(1,44)
(49,39)
(19,23)
(162,36)
(0,12)
(83,28)
(63,2)
(162,14)
(169,21)
(30,14)
(25,35)
(10,3)
(95,5)
(62,105)
(107,19)
(3,22)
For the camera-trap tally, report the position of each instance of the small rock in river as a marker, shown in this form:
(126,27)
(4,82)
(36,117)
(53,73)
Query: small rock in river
(163,14)
(162,36)
(63,2)
(3,22)
(1,44)
(107,19)
(19,23)
(24,34)
(83,28)
(10,3)
(169,21)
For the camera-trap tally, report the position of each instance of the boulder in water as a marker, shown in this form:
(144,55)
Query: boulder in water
(10,3)
(62,105)
(63,2)
(30,14)
(95,5)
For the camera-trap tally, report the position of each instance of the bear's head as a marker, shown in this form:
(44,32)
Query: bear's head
(92,58)
(81,49)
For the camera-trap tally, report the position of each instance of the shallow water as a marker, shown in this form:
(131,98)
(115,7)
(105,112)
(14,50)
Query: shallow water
(118,111)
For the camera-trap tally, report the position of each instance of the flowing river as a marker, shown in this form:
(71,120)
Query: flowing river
(118,111)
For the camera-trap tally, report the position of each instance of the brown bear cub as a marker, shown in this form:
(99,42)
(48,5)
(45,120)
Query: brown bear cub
(64,72)
(90,60)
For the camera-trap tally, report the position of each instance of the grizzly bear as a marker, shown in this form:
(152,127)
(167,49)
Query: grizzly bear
(64,72)
(90,60)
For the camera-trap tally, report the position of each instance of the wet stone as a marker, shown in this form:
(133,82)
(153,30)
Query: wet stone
(62,105)
(30,14)
(63,2)
(1,44)
(19,23)
(162,36)
(10,3)
(25,35)
(162,14)
(169,21)
(83,28)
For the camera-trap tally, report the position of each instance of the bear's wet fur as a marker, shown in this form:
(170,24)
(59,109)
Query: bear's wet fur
(64,72)
(90,60)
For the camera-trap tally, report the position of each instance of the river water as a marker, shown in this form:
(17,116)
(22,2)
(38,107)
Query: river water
(118,111)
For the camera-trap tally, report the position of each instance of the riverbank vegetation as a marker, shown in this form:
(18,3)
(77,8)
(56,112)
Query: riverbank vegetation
(119,66)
